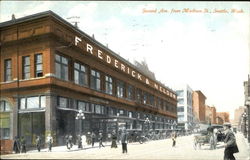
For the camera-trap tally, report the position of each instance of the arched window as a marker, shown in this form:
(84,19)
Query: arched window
(5,119)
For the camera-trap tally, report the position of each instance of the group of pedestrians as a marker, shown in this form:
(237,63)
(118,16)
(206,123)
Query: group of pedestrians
(19,145)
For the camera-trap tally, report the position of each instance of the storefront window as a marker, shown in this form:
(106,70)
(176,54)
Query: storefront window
(98,109)
(32,102)
(43,101)
(35,102)
(4,120)
(63,102)
(84,106)
(4,106)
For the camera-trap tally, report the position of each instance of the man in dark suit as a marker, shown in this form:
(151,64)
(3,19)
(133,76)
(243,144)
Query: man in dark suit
(230,143)
(124,140)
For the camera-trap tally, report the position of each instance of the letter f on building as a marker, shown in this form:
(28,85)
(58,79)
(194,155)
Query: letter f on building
(77,39)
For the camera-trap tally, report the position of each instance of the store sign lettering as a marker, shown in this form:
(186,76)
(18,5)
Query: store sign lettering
(119,65)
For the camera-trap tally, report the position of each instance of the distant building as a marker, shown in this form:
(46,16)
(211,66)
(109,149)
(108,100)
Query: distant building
(185,107)
(224,116)
(237,117)
(210,115)
(199,101)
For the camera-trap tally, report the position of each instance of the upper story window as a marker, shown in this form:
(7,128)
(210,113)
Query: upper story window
(138,95)
(4,106)
(145,98)
(38,65)
(151,99)
(26,67)
(7,70)
(95,80)
(80,74)
(108,85)
(179,93)
(34,102)
(61,67)
(120,89)
(130,92)
(180,101)
(180,109)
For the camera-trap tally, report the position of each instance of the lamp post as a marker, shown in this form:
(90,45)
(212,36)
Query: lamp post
(80,116)
(244,115)
(174,125)
(117,126)
(147,121)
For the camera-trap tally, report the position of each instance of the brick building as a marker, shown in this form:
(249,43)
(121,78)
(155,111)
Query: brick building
(222,117)
(210,115)
(199,101)
(50,70)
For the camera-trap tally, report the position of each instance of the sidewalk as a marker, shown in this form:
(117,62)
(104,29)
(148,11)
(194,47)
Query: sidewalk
(243,145)
(74,148)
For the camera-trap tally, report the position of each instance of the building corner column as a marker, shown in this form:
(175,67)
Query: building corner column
(50,117)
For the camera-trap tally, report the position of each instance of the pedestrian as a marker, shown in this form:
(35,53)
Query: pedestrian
(211,141)
(113,139)
(79,141)
(49,142)
(100,140)
(84,141)
(230,143)
(70,141)
(16,145)
(88,137)
(38,143)
(23,144)
(67,141)
(174,136)
(124,141)
(93,138)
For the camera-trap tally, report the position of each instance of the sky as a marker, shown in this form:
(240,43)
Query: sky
(203,44)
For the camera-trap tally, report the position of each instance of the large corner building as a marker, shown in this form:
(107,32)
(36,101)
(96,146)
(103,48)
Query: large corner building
(50,70)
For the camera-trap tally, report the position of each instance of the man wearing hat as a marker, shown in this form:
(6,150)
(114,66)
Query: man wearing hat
(230,143)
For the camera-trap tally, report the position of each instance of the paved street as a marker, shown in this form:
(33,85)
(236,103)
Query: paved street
(160,149)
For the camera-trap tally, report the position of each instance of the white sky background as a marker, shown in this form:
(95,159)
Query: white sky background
(207,51)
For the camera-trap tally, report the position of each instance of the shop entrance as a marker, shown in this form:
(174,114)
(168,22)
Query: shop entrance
(32,124)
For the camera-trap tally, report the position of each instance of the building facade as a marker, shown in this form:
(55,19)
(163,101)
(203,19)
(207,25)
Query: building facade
(237,122)
(247,104)
(210,115)
(199,102)
(185,107)
(50,70)
(224,116)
